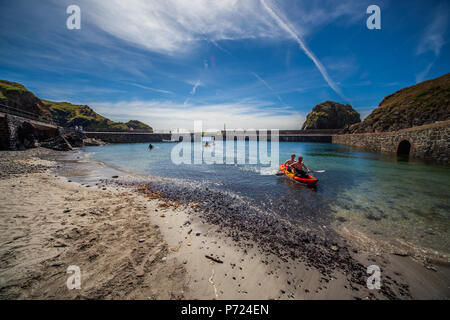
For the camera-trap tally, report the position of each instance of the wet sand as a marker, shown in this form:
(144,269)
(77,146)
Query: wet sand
(133,240)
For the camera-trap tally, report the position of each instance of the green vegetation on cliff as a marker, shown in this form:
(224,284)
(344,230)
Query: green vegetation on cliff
(18,97)
(135,124)
(70,115)
(63,113)
(8,87)
(423,103)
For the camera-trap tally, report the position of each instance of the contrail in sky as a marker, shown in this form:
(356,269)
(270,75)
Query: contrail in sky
(305,49)
(267,85)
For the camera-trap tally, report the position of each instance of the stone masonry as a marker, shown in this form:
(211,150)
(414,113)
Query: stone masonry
(428,142)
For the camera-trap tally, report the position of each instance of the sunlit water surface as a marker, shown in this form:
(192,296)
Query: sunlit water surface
(382,194)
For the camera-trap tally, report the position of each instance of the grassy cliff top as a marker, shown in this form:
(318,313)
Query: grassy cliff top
(423,103)
(68,114)
(63,113)
(8,87)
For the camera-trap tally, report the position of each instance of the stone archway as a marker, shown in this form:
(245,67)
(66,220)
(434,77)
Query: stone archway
(404,148)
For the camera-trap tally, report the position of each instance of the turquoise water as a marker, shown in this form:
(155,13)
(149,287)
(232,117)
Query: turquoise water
(408,200)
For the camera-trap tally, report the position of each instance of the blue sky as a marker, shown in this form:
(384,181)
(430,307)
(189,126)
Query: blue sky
(249,64)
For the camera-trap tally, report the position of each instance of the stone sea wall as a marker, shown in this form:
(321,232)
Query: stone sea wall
(17,132)
(128,137)
(4,134)
(428,142)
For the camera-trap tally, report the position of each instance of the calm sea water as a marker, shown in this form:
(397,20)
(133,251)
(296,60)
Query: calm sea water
(381,194)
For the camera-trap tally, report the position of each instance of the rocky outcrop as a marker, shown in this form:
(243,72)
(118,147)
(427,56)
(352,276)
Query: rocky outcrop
(424,103)
(16,96)
(68,141)
(58,143)
(331,115)
(75,139)
(138,125)
(70,115)
(90,142)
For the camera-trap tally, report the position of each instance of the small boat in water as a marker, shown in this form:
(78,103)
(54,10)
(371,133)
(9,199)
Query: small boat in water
(309,180)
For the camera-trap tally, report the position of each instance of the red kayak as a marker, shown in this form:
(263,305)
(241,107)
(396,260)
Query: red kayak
(310,181)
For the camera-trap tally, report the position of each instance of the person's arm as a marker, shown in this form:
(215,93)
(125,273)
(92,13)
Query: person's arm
(292,164)
(304,165)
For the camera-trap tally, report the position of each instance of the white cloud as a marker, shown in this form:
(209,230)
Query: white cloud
(434,36)
(176,26)
(433,39)
(194,88)
(163,115)
(421,75)
(173,26)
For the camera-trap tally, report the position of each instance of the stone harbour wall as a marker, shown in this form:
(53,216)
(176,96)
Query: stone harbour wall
(12,127)
(128,137)
(4,134)
(428,142)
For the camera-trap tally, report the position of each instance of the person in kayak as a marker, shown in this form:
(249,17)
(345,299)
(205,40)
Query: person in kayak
(290,161)
(297,168)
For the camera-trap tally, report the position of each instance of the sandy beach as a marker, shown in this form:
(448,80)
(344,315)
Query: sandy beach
(132,242)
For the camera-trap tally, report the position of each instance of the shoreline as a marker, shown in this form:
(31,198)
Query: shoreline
(251,268)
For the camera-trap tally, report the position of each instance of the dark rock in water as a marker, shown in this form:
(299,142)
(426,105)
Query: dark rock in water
(331,115)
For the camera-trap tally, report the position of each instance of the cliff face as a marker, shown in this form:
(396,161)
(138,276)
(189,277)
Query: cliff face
(17,96)
(62,113)
(137,125)
(331,115)
(69,115)
(423,103)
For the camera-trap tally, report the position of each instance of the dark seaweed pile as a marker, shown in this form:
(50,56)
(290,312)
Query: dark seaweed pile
(315,245)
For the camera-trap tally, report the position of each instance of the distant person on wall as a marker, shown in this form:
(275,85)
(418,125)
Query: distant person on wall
(131,129)
(298,166)
(76,128)
(80,128)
